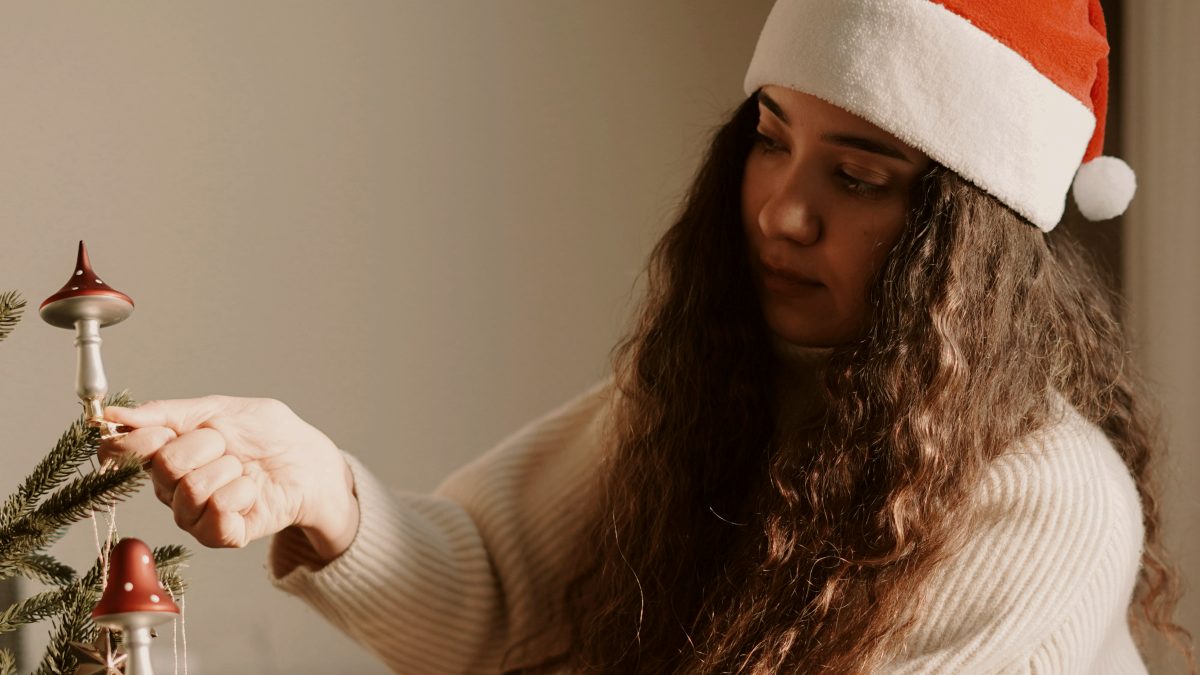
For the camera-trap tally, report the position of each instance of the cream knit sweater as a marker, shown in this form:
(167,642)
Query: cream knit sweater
(456,581)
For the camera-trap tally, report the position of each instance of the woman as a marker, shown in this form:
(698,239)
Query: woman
(872,418)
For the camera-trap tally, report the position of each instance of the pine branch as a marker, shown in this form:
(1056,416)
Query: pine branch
(76,446)
(69,504)
(170,558)
(74,624)
(11,307)
(41,568)
(34,608)
(72,449)
(8,662)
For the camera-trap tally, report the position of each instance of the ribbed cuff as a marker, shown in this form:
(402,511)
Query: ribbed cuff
(294,567)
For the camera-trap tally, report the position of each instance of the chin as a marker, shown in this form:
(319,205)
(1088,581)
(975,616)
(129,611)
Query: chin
(806,332)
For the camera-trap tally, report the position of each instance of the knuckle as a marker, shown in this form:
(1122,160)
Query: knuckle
(206,440)
(273,406)
(205,537)
(163,494)
(190,489)
(182,519)
(216,532)
(220,502)
(219,402)
(165,468)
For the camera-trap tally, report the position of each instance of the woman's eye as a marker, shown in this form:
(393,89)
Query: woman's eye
(860,187)
(767,143)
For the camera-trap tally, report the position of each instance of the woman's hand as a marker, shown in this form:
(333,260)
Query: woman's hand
(237,469)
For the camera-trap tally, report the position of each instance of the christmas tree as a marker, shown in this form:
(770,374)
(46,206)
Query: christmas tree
(65,487)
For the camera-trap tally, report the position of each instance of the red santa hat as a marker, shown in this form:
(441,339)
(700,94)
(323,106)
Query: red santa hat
(1009,94)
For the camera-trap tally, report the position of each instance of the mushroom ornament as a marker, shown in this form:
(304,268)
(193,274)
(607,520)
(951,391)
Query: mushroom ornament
(86,304)
(134,601)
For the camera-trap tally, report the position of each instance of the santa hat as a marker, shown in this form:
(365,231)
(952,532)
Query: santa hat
(1009,94)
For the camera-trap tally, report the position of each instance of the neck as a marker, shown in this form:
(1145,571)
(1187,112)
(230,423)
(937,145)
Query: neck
(798,379)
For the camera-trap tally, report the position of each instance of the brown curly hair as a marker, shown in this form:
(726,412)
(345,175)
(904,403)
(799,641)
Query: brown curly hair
(723,544)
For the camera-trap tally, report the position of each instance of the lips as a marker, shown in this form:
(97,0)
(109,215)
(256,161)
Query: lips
(788,276)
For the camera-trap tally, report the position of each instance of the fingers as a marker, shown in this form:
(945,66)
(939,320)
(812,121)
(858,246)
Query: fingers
(140,443)
(180,415)
(190,468)
(180,457)
(197,491)
(223,523)
(221,529)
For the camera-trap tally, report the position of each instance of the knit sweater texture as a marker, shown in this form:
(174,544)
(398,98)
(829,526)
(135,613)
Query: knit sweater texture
(459,581)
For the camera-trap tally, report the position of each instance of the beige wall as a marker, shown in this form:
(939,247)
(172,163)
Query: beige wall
(418,223)
(1162,258)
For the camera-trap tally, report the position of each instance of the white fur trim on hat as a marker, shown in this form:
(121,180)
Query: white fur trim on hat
(938,83)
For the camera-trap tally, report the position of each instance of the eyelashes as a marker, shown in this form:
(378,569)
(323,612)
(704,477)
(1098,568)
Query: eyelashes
(767,144)
(854,186)
(861,187)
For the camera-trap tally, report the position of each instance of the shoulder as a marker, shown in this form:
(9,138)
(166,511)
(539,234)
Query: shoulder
(559,448)
(1049,560)
(1063,496)
(578,421)
(1066,481)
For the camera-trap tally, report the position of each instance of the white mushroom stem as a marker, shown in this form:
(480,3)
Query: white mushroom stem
(90,382)
(136,628)
(137,645)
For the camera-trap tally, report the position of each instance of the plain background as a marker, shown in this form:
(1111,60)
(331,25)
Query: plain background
(420,224)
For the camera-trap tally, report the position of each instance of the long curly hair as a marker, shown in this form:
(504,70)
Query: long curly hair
(723,544)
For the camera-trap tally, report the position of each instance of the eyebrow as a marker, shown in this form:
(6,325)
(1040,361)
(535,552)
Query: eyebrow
(844,140)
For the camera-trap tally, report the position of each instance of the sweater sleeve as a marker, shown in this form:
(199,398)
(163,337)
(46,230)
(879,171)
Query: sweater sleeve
(1043,584)
(465,579)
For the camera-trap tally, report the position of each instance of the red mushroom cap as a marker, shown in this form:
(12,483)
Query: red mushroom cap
(84,282)
(133,584)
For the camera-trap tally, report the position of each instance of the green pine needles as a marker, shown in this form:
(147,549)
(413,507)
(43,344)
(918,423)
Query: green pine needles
(64,488)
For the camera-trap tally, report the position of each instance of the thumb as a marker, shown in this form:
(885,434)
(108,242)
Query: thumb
(181,415)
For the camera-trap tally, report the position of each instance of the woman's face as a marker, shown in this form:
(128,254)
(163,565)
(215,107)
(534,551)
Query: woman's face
(825,196)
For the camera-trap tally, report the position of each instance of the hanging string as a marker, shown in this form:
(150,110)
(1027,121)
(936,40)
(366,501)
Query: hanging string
(103,548)
(183,630)
(179,631)
(99,550)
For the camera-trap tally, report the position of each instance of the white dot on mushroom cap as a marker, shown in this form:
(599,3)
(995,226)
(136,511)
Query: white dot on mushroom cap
(145,560)
(129,585)
(153,598)
(78,272)
(99,282)
(74,288)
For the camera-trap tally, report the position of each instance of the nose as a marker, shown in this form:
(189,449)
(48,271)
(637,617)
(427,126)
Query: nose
(791,211)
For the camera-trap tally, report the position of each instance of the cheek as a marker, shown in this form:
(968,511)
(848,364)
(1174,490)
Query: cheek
(861,258)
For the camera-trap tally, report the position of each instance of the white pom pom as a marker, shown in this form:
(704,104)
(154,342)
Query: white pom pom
(1103,188)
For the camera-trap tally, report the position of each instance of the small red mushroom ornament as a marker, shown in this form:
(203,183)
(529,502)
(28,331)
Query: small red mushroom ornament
(134,601)
(109,305)
(86,304)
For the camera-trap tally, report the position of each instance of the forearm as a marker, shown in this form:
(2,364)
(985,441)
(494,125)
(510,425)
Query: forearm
(414,586)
